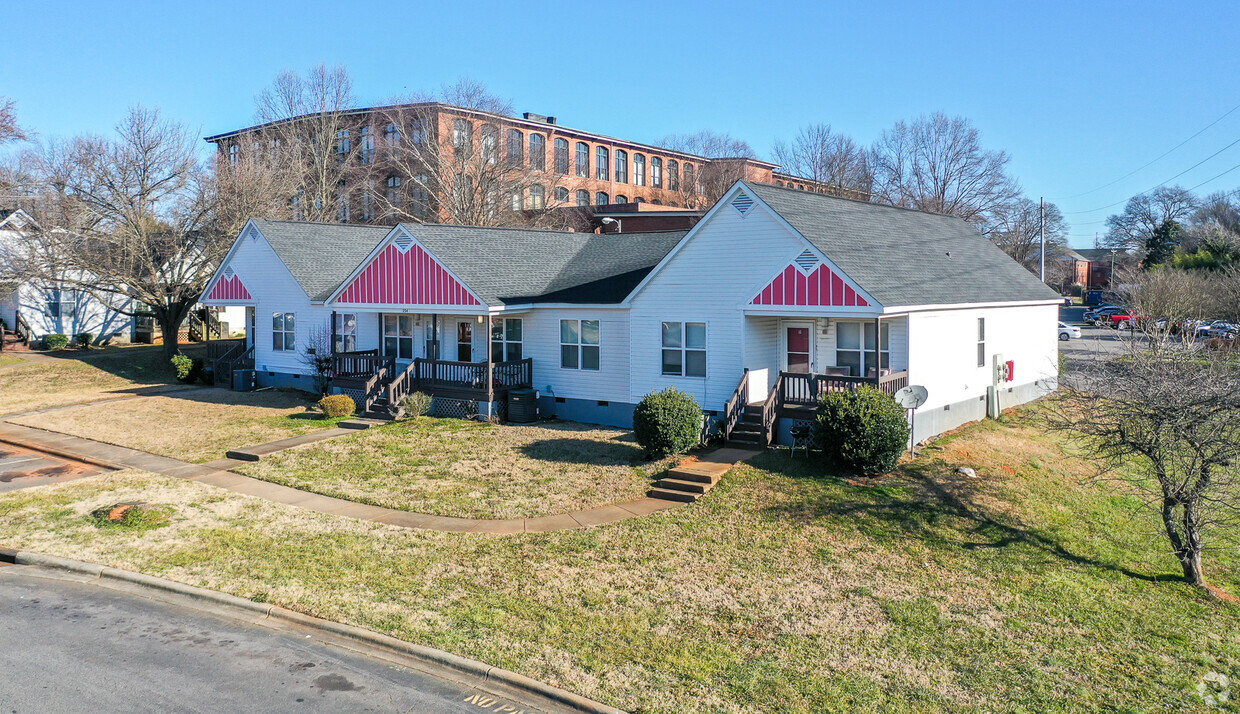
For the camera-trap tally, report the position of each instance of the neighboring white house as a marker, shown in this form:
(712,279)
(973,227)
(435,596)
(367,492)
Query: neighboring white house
(776,296)
(48,307)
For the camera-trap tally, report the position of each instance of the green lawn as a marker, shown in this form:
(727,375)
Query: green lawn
(1025,589)
(453,467)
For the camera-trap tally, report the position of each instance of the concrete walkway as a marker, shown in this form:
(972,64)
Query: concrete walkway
(217,473)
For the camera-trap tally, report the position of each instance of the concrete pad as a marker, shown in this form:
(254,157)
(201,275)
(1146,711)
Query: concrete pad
(281,444)
(600,515)
(646,506)
(728,455)
(562,522)
(704,468)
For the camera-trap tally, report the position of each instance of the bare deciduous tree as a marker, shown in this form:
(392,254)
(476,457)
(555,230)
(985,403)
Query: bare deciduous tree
(1143,215)
(1164,417)
(937,163)
(9,129)
(711,180)
(132,220)
(1017,229)
(317,154)
(825,156)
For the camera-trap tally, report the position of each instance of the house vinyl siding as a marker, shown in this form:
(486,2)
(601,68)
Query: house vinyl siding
(943,346)
(710,279)
(541,341)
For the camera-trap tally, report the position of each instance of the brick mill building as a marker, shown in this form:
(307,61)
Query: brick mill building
(562,167)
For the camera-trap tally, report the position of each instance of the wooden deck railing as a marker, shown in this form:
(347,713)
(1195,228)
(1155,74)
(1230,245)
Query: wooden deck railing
(469,379)
(735,407)
(770,411)
(804,389)
(218,349)
(361,364)
(239,357)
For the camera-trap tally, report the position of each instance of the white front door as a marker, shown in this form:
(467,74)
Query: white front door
(797,346)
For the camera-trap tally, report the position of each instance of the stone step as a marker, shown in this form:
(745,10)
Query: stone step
(674,484)
(668,495)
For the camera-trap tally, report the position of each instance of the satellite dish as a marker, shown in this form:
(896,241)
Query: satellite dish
(912,396)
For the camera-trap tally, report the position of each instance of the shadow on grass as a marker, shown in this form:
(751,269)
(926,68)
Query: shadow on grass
(916,503)
(584,452)
(138,364)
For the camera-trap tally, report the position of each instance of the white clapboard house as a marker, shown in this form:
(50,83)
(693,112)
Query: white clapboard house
(775,297)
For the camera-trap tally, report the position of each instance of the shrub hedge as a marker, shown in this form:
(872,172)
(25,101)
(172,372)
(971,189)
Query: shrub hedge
(56,341)
(667,422)
(338,405)
(863,430)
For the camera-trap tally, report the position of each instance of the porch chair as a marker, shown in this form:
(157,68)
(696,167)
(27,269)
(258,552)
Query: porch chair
(802,437)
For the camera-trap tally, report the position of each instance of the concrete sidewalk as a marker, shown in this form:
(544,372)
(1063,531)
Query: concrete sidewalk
(217,473)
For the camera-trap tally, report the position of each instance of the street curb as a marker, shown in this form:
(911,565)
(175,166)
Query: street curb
(391,645)
(61,453)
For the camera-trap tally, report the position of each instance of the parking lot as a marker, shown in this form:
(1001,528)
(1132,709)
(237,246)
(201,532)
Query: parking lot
(1095,341)
(24,468)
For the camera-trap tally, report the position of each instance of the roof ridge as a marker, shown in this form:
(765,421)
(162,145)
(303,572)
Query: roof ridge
(828,196)
(534,230)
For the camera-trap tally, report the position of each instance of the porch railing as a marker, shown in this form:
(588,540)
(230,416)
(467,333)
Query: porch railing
(240,357)
(219,349)
(361,364)
(770,411)
(803,389)
(735,408)
(443,375)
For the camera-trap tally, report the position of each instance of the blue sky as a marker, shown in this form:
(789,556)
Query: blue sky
(1079,93)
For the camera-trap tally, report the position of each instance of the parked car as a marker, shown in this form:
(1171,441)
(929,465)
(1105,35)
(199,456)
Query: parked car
(1102,315)
(1069,332)
(1218,328)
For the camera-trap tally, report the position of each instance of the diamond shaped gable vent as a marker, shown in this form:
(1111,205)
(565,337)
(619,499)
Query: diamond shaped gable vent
(228,272)
(403,242)
(742,203)
(807,261)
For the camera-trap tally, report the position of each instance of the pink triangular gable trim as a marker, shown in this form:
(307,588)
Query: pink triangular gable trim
(821,287)
(409,278)
(229,289)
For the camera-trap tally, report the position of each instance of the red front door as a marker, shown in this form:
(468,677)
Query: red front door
(797,341)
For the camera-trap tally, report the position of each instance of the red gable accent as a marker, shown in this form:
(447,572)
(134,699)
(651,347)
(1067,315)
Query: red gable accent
(821,287)
(410,278)
(229,289)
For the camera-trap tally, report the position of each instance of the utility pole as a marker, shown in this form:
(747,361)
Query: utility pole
(1042,235)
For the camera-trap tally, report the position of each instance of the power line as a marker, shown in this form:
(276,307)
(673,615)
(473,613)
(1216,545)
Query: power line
(1160,183)
(1154,160)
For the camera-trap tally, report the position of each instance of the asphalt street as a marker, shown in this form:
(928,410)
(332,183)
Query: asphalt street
(23,468)
(68,645)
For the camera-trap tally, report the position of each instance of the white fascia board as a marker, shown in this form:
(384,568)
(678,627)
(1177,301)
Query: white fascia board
(968,306)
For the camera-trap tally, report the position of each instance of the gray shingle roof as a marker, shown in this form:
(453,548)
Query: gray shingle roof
(320,255)
(902,256)
(502,265)
(513,265)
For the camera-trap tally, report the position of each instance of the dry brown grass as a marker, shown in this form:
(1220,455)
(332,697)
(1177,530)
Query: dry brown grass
(781,590)
(198,425)
(64,379)
(452,467)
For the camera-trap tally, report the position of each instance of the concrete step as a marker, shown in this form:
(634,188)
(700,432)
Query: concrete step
(669,495)
(686,475)
(675,484)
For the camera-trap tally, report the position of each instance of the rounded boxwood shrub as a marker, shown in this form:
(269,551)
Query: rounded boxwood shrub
(337,405)
(84,340)
(863,430)
(56,341)
(667,422)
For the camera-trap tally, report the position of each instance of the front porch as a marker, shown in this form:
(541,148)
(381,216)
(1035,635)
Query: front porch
(378,382)
(792,360)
